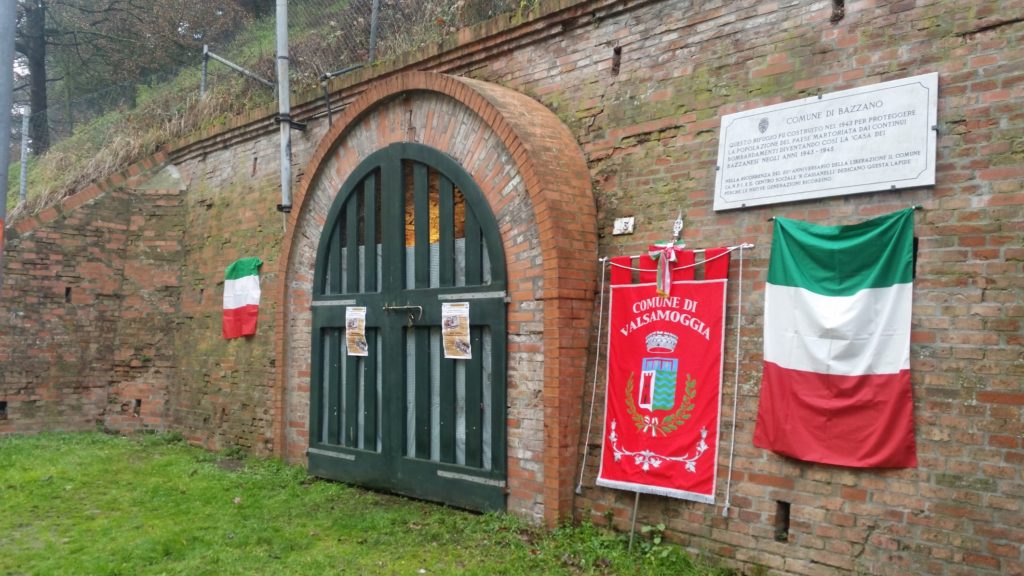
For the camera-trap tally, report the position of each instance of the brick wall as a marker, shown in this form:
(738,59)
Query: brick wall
(649,126)
(223,395)
(145,365)
(641,85)
(60,305)
(219,399)
(90,295)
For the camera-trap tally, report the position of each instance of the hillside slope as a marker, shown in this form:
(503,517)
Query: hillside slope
(325,36)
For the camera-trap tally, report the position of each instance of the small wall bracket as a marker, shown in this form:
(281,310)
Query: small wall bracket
(295,125)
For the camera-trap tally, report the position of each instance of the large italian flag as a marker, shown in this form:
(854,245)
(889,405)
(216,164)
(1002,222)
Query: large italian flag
(836,385)
(241,297)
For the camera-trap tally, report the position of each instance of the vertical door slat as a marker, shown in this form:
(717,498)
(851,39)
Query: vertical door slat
(370,393)
(352,242)
(446,237)
(409,394)
(421,200)
(493,342)
(351,391)
(370,233)
(474,402)
(392,224)
(318,388)
(333,353)
(447,416)
(421,338)
(334,262)
(474,249)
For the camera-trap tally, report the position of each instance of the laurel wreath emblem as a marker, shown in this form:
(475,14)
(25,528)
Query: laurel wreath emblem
(669,424)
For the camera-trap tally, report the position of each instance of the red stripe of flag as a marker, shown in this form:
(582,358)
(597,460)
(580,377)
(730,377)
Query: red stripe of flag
(240,321)
(864,421)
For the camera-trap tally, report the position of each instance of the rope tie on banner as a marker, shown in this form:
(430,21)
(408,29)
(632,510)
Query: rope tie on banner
(735,389)
(593,392)
(665,256)
(728,250)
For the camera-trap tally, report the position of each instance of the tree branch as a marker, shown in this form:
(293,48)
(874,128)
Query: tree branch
(91,33)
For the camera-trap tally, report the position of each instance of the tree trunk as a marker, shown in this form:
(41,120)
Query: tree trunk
(34,42)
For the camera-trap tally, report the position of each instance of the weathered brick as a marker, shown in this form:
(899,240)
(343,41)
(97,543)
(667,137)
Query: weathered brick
(649,135)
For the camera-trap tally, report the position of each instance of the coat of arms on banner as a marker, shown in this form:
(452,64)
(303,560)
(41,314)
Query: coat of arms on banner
(663,397)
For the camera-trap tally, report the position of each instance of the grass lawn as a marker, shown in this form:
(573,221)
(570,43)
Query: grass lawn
(99,504)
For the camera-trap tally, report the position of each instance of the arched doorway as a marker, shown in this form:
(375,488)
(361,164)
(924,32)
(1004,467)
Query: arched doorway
(408,232)
(533,177)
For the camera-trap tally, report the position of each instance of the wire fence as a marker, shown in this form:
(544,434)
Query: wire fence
(128,117)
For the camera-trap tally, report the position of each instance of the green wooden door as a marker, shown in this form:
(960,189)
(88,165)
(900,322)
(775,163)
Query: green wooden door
(408,232)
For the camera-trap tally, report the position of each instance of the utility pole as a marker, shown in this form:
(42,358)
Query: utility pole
(374,17)
(202,77)
(7,29)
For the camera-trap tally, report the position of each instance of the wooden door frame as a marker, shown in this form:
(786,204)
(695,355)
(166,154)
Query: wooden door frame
(480,487)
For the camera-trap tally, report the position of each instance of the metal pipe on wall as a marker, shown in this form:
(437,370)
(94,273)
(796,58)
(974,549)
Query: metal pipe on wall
(284,107)
(7,26)
(23,189)
(207,55)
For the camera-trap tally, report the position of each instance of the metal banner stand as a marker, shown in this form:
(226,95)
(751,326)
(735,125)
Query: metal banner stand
(632,525)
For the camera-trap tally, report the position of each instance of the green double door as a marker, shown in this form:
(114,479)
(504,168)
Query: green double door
(408,232)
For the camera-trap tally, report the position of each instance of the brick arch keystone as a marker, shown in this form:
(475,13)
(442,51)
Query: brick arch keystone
(557,181)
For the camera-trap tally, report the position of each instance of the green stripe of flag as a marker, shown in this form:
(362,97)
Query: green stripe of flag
(242,267)
(843,260)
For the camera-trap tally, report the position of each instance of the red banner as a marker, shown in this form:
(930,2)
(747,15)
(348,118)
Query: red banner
(663,398)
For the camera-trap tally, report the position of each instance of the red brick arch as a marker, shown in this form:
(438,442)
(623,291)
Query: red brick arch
(555,176)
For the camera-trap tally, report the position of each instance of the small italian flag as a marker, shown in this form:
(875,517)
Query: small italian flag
(241,297)
(836,385)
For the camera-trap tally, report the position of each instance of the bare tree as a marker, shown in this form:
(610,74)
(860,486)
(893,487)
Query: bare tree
(30,42)
(94,44)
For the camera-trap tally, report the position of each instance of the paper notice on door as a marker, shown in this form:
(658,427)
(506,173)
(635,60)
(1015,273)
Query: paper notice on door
(455,330)
(355,331)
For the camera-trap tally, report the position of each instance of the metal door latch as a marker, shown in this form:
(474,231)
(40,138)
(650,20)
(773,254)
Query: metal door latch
(412,317)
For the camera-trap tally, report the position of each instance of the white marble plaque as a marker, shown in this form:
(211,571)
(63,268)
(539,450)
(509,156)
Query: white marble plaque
(878,137)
